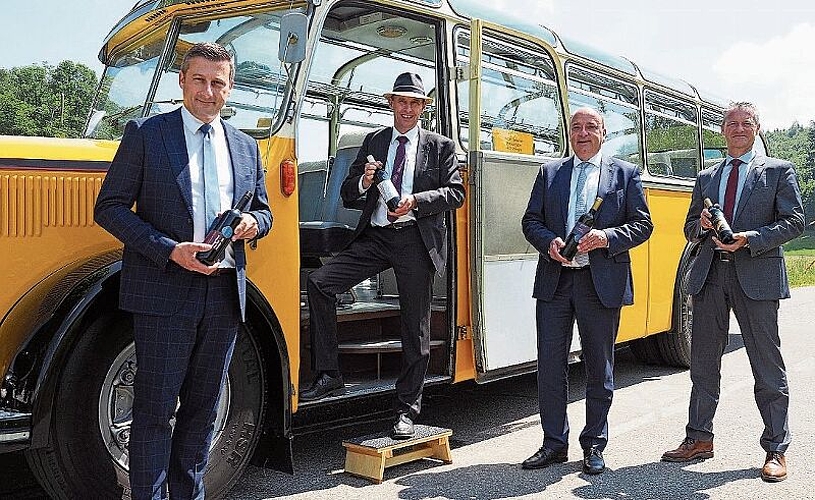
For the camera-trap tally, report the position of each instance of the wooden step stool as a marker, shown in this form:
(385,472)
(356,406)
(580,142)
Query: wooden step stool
(369,456)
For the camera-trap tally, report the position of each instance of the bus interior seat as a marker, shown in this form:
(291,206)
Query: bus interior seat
(311,179)
(333,229)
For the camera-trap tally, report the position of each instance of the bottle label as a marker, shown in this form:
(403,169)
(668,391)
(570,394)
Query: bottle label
(388,190)
(579,231)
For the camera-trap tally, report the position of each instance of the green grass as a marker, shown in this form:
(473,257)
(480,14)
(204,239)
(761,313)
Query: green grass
(800,258)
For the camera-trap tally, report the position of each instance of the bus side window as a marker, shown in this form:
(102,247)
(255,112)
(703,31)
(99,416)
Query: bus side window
(519,98)
(671,136)
(618,102)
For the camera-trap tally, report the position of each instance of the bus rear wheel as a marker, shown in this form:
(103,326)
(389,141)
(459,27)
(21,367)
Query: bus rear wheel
(86,455)
(671,348)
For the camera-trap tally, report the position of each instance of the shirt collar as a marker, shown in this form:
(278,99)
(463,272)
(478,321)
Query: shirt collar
(412,134)
(745,158)
(192,124)
(594,161)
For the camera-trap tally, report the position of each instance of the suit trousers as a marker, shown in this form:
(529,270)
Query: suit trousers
(373,251)
(575,299)
(182,360)
(758,321)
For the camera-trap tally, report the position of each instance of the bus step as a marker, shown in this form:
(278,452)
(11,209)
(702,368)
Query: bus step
(370,455)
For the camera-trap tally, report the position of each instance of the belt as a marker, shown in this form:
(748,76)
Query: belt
(397,226)
(223,271)
(723,256)
(575,268)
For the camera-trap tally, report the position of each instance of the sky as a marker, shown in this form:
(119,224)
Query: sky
(744,50)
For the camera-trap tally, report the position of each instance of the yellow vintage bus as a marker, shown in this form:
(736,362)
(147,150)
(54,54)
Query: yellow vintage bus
(309,80)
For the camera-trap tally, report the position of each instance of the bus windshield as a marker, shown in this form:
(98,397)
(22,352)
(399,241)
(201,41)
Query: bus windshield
(260,79)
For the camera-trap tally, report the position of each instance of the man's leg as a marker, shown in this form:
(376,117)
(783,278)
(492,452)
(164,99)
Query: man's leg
(163,347)
(414,280)
(597,326)
(360,260)
(709,337)
(206,375)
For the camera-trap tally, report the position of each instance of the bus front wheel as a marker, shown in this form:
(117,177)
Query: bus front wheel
(86,455)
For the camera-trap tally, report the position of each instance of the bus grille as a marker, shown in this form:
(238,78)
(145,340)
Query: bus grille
(28,203)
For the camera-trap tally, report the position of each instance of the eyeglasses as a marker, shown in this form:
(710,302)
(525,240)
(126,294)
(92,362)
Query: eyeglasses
(589,127)
(747,124)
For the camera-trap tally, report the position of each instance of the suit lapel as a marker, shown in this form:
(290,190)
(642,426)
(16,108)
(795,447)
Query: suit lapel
(563,180)
(172,130)
(239,181)
(752,177)
(423,148)
(604,186)
(712,189)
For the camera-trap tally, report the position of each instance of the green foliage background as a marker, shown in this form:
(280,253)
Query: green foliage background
(45,100)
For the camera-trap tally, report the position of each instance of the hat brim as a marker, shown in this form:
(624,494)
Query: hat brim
(415,95)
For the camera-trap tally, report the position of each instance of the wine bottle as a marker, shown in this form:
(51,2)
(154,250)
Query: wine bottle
(386,188)
(221,231)
(581,227)
(720,225)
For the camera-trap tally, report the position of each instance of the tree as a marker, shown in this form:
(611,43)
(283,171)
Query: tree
(45,100)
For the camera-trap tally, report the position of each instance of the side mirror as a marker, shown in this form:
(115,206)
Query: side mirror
(293,30)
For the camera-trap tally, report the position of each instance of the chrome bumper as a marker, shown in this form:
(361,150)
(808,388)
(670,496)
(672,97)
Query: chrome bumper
(15,430)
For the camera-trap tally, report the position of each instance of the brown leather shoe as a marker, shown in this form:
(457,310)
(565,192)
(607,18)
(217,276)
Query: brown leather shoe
(775,467)
(690,449)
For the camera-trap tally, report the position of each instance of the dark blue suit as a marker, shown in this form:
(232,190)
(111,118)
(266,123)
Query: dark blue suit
(593,296)
(185,323)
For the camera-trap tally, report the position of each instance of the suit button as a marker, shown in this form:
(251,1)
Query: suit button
(189,221)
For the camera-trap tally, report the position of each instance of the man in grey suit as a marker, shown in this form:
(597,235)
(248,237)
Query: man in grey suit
(591,288)
(762,202)
(412,240)
(180,169)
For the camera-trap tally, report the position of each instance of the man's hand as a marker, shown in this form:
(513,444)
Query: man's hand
(554,250)
(406,204)
(704,220)
(592,240)
(741,240)
(246,229)
(370,168)
(184,255)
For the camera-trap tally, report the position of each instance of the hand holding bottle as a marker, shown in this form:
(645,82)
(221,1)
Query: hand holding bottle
(386,188)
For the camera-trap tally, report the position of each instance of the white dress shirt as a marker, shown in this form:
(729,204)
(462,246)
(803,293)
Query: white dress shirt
(195,142)
(380,215)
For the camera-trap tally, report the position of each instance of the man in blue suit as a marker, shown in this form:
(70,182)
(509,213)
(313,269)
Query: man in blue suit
(591,288)
(180,169)
(762,202)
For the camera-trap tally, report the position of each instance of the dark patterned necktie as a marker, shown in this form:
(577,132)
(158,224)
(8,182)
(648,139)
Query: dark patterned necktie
(730,192)
(398,168)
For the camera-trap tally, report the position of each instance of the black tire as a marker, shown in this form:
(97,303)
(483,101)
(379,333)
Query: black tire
(671,348)
(86,456)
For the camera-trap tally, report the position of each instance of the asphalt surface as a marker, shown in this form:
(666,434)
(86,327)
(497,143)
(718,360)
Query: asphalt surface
(496,426)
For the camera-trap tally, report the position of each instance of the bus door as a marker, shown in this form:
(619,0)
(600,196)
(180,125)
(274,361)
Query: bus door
(512,121)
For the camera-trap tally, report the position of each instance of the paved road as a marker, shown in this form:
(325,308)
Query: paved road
(496,426)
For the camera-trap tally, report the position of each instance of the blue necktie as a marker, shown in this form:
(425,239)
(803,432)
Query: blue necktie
(581,259)
(212,195)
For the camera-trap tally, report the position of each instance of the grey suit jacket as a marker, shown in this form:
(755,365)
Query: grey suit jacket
(437,187)
(624,217)
(769,210)
(151,170)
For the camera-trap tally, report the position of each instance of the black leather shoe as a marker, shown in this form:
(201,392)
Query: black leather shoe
(403,428)
(324,385)
(544,458)
(593,462)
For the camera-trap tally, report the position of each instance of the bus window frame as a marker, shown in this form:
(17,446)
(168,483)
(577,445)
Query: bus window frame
(501,36)
(637,106)
(651,98)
